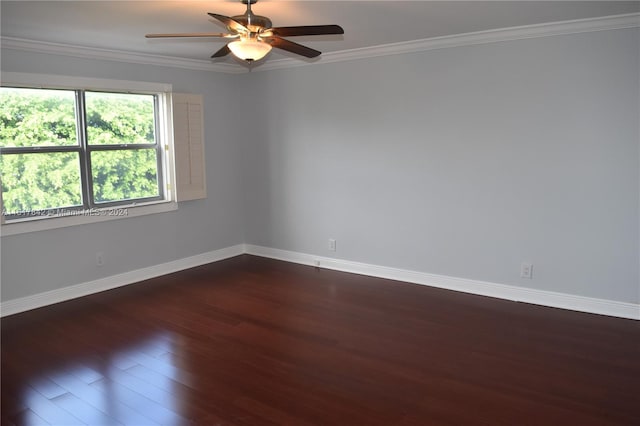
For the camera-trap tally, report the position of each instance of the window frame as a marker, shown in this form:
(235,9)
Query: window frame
(89,149)
(92,211)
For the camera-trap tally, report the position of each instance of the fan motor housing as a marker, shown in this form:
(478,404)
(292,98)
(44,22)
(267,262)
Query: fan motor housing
(253,22)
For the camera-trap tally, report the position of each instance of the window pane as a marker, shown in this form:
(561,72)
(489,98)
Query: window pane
(124,175)
(36,117)
(40,181)
(119,118)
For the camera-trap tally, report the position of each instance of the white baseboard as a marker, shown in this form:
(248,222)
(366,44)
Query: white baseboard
(483,288)
(60,295)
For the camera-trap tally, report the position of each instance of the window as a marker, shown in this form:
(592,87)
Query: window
(64,152)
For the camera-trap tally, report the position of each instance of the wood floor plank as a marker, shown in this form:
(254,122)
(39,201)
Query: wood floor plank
(84,411)
(26,417)
(106,400)
(251,341)
(145,406)
(48,411)
(47,388)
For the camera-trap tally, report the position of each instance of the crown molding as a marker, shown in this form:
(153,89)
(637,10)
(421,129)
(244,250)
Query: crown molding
(631,20)
(116,55)
(467,39)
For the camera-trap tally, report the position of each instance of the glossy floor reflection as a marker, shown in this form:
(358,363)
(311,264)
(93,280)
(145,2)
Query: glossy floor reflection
(126,384)
(251,341)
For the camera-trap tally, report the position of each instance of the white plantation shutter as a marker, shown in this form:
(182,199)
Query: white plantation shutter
(188,140)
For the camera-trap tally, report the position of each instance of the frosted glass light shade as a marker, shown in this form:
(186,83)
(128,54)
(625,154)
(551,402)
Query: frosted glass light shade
(249,50)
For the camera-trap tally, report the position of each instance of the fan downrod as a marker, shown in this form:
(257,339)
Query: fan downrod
(250,20)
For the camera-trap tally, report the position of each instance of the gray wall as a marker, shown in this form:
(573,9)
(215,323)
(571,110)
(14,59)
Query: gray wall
(462,162)
(47,260)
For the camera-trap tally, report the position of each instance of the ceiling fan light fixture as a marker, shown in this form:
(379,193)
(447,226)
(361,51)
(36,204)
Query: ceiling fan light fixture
(257,36)
(249,50)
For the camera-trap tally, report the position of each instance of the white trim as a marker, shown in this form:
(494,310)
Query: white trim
(75,51)
(501,291)
(467,39)
(630,20)
(483,288)
(60,295)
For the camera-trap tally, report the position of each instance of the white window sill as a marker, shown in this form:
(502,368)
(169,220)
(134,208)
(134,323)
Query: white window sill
(22,226)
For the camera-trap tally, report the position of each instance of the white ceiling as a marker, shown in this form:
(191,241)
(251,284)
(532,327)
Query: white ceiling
(121,25)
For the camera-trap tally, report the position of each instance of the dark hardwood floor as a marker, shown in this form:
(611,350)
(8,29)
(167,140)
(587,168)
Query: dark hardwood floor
(252,341)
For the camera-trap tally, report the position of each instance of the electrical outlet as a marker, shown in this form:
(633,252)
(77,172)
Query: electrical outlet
(99,258)
(332,244)
(526,270)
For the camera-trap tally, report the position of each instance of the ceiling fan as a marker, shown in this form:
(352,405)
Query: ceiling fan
(253,36)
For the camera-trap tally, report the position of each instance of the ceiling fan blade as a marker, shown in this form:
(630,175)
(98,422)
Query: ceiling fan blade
(307,30)
(292,47)
(190,35)
(222,52)
(232,24)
